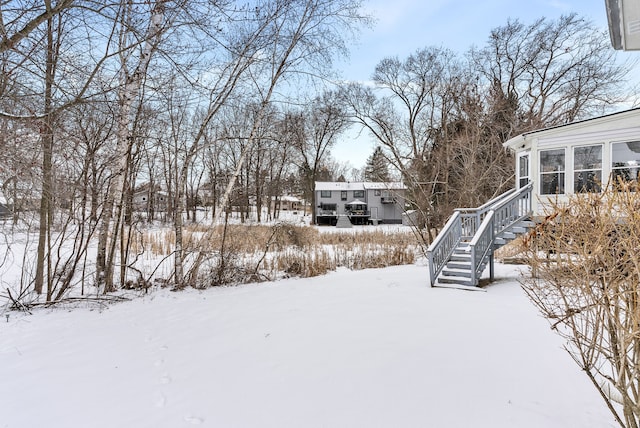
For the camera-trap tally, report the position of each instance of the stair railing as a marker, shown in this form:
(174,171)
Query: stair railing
(473,217)
(481,247)
(512,210)
(441,249)
(501,217)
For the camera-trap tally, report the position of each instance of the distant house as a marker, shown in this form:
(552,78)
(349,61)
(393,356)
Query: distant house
(579,157)
(361,202)
(286,203)
(148,199)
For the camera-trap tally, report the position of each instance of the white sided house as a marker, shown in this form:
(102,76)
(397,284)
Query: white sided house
(579,157)
(551,165)
(360,202)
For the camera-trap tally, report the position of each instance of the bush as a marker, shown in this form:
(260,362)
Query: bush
(586,281)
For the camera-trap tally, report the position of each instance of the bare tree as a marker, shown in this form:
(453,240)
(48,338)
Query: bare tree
(286,39)
(442,119)
(20,18)
(410,117)
(304,35)
(60,57)
(556,71)
(133,71)
(318,128)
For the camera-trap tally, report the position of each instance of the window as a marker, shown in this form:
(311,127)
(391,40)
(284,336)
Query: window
(376,192)
(587,169)
(325,193)
(625,162)
(343,195)
(523,170)
(328,207)
(552,172)
(358,193)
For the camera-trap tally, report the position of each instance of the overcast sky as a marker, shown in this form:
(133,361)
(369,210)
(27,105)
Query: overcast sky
(403,26)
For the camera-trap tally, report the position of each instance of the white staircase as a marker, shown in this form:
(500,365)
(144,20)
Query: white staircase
(463,249)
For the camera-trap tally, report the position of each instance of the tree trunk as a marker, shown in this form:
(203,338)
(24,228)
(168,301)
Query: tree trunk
(46,198)
(128,95)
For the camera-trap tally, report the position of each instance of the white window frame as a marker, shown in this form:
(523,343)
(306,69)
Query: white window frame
(598,186)
(519,178)
(562,172)
(633,167)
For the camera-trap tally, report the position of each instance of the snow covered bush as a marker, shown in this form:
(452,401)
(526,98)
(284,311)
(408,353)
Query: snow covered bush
(585,263)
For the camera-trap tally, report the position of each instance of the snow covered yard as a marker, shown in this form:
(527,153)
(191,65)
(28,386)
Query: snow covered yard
(372,348)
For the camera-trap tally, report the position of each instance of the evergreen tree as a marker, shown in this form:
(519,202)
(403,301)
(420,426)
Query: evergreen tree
(377,167)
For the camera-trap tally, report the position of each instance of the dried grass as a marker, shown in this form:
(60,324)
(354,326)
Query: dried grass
(282,250)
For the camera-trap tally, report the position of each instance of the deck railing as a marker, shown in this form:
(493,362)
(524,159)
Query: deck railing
(334,213)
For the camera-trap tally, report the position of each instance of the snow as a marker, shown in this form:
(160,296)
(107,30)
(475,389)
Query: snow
(372,348)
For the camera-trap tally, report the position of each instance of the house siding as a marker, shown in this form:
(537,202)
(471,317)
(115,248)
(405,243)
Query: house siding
(604,131)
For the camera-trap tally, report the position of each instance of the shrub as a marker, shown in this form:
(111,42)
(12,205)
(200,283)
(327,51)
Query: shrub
(586,282)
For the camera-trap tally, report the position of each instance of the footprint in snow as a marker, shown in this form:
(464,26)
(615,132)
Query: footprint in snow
(165,379)
(193,420)
(161,400)
(159,362)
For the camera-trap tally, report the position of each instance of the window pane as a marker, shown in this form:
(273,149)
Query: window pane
(625,174)
(552,184)
(626,154)
(552,160)
(587,181)
(552,167)
(524,166)
(625,161)
(589,157)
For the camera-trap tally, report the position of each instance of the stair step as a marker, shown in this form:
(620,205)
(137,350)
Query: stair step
(527,223)
(466,257)
(464,250)
(501,241)
(456,280)
(459,265)
(507,235)
(519,230)
(460,287)
(464,273)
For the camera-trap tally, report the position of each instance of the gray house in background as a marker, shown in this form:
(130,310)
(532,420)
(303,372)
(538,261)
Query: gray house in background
(360,202)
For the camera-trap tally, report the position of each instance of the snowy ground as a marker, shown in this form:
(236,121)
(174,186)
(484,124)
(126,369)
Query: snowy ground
(373,348)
